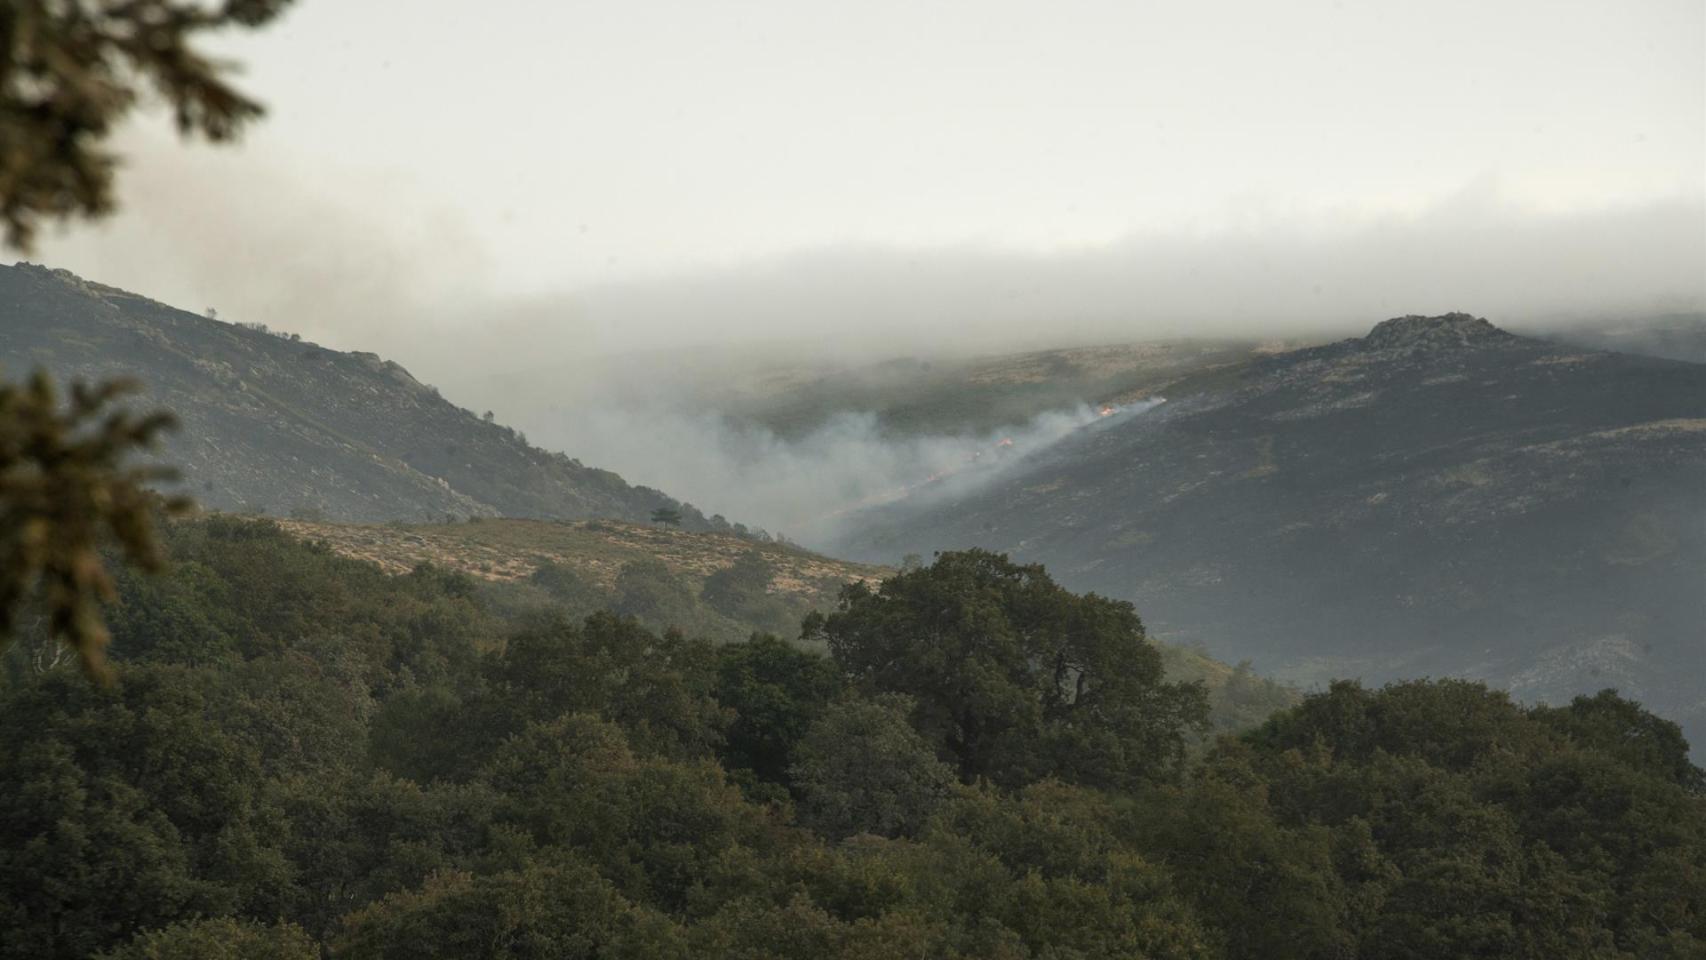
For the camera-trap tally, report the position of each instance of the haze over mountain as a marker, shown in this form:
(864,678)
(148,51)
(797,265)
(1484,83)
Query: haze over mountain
(1439,497)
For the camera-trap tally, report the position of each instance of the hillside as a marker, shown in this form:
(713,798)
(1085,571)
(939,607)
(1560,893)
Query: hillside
(910,397)
(1673,336)
(511,549)
(1439,497)
(581,565)
(273,424)
(666,577)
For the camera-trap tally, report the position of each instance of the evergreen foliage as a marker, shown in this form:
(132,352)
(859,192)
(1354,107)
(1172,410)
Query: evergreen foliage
(1014,677)
(301,756)
(66,484)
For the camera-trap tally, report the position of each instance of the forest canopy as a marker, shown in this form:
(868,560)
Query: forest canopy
(303,756)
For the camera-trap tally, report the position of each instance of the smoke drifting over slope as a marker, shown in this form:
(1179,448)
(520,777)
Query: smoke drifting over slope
(804,489)
(423,294)
(548,370)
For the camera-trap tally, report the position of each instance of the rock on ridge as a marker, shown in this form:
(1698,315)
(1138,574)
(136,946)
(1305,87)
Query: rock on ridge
(1449,331)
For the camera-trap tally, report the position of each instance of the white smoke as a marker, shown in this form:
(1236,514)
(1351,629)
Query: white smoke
(805,488)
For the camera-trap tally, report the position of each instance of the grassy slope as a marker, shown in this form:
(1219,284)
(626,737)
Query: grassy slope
(506,553)
(508,550)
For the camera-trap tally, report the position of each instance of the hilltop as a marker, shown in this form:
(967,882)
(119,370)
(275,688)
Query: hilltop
(274,424)
(1439,497)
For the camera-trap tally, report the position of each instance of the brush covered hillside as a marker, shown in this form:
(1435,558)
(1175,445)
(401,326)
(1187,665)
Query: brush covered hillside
(273,424)
(1438,497)
(715,586)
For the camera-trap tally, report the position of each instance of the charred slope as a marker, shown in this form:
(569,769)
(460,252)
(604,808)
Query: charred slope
(1439,497)
(1674,336)
(278,425)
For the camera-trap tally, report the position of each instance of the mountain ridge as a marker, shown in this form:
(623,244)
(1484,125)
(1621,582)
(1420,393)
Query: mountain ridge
(274,424)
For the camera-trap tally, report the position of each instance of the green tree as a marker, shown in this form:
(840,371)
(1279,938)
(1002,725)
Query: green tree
(667,833)
(65,486)
(1465,825)
(219,938)
(569,589)
(667,516)
(1047,868)
(127,808)
(656,688)
(861,768)
(776,690)
(741,592)
(1015,678)
(1271,891)
(542,912)
(1620,727)
(354,838)
(651,592)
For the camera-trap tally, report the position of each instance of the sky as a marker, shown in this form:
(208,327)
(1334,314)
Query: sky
(610,176)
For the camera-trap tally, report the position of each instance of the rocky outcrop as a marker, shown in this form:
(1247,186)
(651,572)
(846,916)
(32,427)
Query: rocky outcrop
(1453,331)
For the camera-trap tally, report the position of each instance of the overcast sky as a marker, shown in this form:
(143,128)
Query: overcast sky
(505,151)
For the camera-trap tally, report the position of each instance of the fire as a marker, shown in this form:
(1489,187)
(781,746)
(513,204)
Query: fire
(1108,410)
(1005,442)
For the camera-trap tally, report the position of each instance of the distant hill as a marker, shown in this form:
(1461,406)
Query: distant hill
(1438,497)
(276,425)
